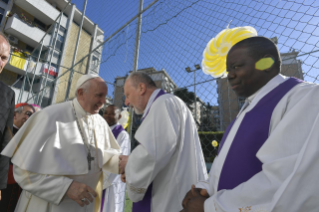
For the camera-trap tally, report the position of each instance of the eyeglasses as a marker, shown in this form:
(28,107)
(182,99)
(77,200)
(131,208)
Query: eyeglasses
(28,113)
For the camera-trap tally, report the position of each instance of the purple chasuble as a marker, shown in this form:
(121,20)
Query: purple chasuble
(241,162)
(145,204)
(116,131)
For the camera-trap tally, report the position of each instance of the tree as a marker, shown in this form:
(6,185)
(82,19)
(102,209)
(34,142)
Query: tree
(187,97)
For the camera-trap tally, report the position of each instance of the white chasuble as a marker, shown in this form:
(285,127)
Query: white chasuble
(169,155)
(114,199)
(289,156)
(49,153)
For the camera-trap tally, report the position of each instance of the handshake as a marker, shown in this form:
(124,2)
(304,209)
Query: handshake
(122,165)
(194,200)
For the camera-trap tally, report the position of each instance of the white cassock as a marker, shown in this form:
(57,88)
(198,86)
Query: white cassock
(49,153)
(115,193)
(290,158)
(169,155)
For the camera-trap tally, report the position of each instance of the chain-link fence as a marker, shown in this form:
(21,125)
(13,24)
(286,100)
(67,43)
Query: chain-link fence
(166,39)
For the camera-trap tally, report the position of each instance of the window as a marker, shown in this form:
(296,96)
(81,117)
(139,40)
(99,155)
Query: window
(39,24)
(29,49)
(62,30)
(1,13)
(59,43)
(95,63)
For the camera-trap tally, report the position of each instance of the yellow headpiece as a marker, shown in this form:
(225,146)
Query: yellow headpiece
(214,55)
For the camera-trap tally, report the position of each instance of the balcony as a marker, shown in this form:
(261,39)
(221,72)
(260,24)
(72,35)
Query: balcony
(21,64)
(25,32)
(24,95)
(41,10)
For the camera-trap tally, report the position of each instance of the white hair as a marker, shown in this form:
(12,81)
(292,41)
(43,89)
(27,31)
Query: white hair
(85,86)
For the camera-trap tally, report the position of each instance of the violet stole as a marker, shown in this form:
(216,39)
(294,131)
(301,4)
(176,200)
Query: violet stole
(241,162)
(116,131)
(145,204)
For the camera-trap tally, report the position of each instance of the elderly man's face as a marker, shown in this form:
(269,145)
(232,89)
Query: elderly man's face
(110,115)
(4,53)
(244,79)
(133,97)
(21,118)
(94,98)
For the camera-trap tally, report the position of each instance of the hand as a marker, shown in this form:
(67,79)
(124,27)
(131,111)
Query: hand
(122,163)
(194,200)
(123,178)
(189,195)
(78,191)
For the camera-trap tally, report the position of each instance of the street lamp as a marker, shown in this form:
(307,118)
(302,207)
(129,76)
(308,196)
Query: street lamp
(188,70)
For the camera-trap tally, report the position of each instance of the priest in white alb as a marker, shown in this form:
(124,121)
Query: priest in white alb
(268,158)
(60,154)
(169,157)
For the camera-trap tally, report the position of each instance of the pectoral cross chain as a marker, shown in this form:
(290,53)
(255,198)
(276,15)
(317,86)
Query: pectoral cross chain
(90,159)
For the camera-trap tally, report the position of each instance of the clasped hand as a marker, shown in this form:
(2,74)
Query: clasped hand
(78,191)
(122,165)
(194,200)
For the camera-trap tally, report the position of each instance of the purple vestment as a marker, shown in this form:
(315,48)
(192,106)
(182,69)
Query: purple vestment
(117,130)
(241,162)
(145,204)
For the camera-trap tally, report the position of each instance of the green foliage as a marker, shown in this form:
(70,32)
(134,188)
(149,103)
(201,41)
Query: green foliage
(206,138)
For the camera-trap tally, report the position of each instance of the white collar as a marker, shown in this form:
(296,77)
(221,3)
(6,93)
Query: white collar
(16,126)
(112,127)
(79,109)
(150,101)
(258,95)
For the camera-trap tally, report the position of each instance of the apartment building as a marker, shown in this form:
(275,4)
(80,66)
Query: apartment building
(161,79)
(31,24)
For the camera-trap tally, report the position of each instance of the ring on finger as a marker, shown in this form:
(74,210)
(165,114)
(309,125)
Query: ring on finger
(83,200)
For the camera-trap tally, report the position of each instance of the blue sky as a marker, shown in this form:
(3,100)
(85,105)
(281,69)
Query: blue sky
(175,33)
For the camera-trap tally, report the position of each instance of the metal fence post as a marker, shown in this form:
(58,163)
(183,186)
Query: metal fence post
(35,69)
(75,53)
(51,56)
(136,54)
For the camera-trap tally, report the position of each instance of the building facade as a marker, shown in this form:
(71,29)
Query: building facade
(34,27)
(161,79)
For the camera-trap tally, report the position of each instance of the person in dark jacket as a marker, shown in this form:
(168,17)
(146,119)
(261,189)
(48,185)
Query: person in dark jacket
(7,99)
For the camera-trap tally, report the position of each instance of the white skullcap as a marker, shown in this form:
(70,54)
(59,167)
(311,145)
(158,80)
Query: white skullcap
(85,78)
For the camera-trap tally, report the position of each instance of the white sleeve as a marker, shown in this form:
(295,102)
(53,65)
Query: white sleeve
(161,126)
(48,187)
(140,171)
(288,180)
(124,142)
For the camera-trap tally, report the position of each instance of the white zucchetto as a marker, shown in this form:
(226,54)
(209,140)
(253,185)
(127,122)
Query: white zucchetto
(85,78)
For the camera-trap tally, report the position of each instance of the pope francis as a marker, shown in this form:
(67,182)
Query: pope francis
(59,155)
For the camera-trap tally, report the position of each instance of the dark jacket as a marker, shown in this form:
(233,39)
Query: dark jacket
(7,100)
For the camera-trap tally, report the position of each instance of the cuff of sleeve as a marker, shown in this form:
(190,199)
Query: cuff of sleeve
(209,205)
(112,165)
(66,182)
(203,185)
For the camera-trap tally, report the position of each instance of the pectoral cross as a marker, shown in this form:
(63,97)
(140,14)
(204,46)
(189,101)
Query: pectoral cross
(90,159)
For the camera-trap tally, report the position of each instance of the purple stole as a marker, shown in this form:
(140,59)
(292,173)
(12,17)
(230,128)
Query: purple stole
(116,131)
(145,204)
(241,162)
